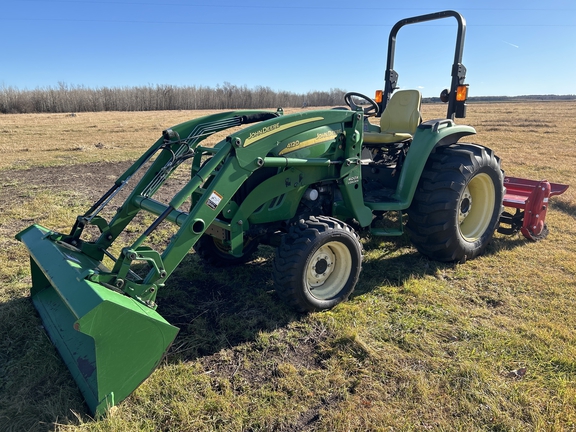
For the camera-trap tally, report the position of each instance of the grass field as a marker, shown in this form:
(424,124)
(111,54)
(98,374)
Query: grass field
(485,345)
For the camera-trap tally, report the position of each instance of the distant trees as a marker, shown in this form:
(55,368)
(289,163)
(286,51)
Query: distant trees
(72,98)
(66,98)
(525,98)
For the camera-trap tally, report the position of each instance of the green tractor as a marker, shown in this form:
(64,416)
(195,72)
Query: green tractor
(304,183)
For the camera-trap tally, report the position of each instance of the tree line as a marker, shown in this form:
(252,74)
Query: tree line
(66,98)
(525,98)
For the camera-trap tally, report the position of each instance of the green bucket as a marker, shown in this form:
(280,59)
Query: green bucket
(110,342)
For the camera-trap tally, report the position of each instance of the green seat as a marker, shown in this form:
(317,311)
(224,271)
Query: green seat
(399,120)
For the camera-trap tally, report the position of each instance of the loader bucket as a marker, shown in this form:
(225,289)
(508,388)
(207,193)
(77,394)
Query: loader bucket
(110,342)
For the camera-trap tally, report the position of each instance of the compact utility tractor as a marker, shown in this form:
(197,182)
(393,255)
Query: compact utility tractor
(304,183)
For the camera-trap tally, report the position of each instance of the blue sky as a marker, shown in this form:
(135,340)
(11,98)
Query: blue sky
(512,47)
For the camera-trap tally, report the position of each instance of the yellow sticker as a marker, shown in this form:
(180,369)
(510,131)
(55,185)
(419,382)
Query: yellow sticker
(274,128)
(320,137)
(214,200)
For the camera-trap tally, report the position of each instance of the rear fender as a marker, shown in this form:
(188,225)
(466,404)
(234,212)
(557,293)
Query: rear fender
(428,136)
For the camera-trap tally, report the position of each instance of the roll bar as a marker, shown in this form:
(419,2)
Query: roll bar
(455,109)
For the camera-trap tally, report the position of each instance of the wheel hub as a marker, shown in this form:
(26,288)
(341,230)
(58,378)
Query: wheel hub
(322,266)
(465,205)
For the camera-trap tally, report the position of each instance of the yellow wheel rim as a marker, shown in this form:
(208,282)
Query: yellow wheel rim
(220,246)
(328,270)
(225,249)
(476,207)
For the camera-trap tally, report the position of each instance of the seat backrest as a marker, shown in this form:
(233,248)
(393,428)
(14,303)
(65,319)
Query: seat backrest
(402,113)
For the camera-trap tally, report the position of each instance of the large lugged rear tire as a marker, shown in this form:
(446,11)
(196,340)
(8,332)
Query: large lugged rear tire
(458,202)
(318,263)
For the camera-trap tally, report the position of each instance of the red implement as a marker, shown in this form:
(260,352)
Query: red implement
(530,199)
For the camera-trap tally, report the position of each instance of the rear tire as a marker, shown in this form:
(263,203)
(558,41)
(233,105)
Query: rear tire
(458,202)
(317,264)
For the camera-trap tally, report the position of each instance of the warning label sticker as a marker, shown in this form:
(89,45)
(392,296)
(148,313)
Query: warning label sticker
(214,200)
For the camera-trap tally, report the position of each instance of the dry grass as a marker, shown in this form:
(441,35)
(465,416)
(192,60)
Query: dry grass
(486,345)
(533,139)
(30,140)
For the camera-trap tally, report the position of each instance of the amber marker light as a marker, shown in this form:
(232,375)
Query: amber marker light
(378,96)
(462,93)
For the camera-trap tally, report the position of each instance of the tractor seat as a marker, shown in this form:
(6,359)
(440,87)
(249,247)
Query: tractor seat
(399,120)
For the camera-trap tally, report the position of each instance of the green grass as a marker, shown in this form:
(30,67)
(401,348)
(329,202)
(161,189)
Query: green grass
(485,345)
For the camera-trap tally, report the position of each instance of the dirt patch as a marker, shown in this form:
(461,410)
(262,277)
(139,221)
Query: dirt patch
(88,181)
(249,367)
(17,187)
(23,194)
(91,179)
(299,352)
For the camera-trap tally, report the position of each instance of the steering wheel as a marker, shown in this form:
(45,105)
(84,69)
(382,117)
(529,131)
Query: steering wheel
(369,111)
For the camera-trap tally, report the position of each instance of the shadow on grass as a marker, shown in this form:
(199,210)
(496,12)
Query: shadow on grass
(565,207)
(392,268)
(215,309)
(219,308)
(36,389)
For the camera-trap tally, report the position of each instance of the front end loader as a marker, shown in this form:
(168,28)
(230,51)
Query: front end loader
(304,183)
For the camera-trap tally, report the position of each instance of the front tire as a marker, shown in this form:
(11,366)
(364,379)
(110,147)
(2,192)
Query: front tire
(217,254)
(318,263)
(458,202)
